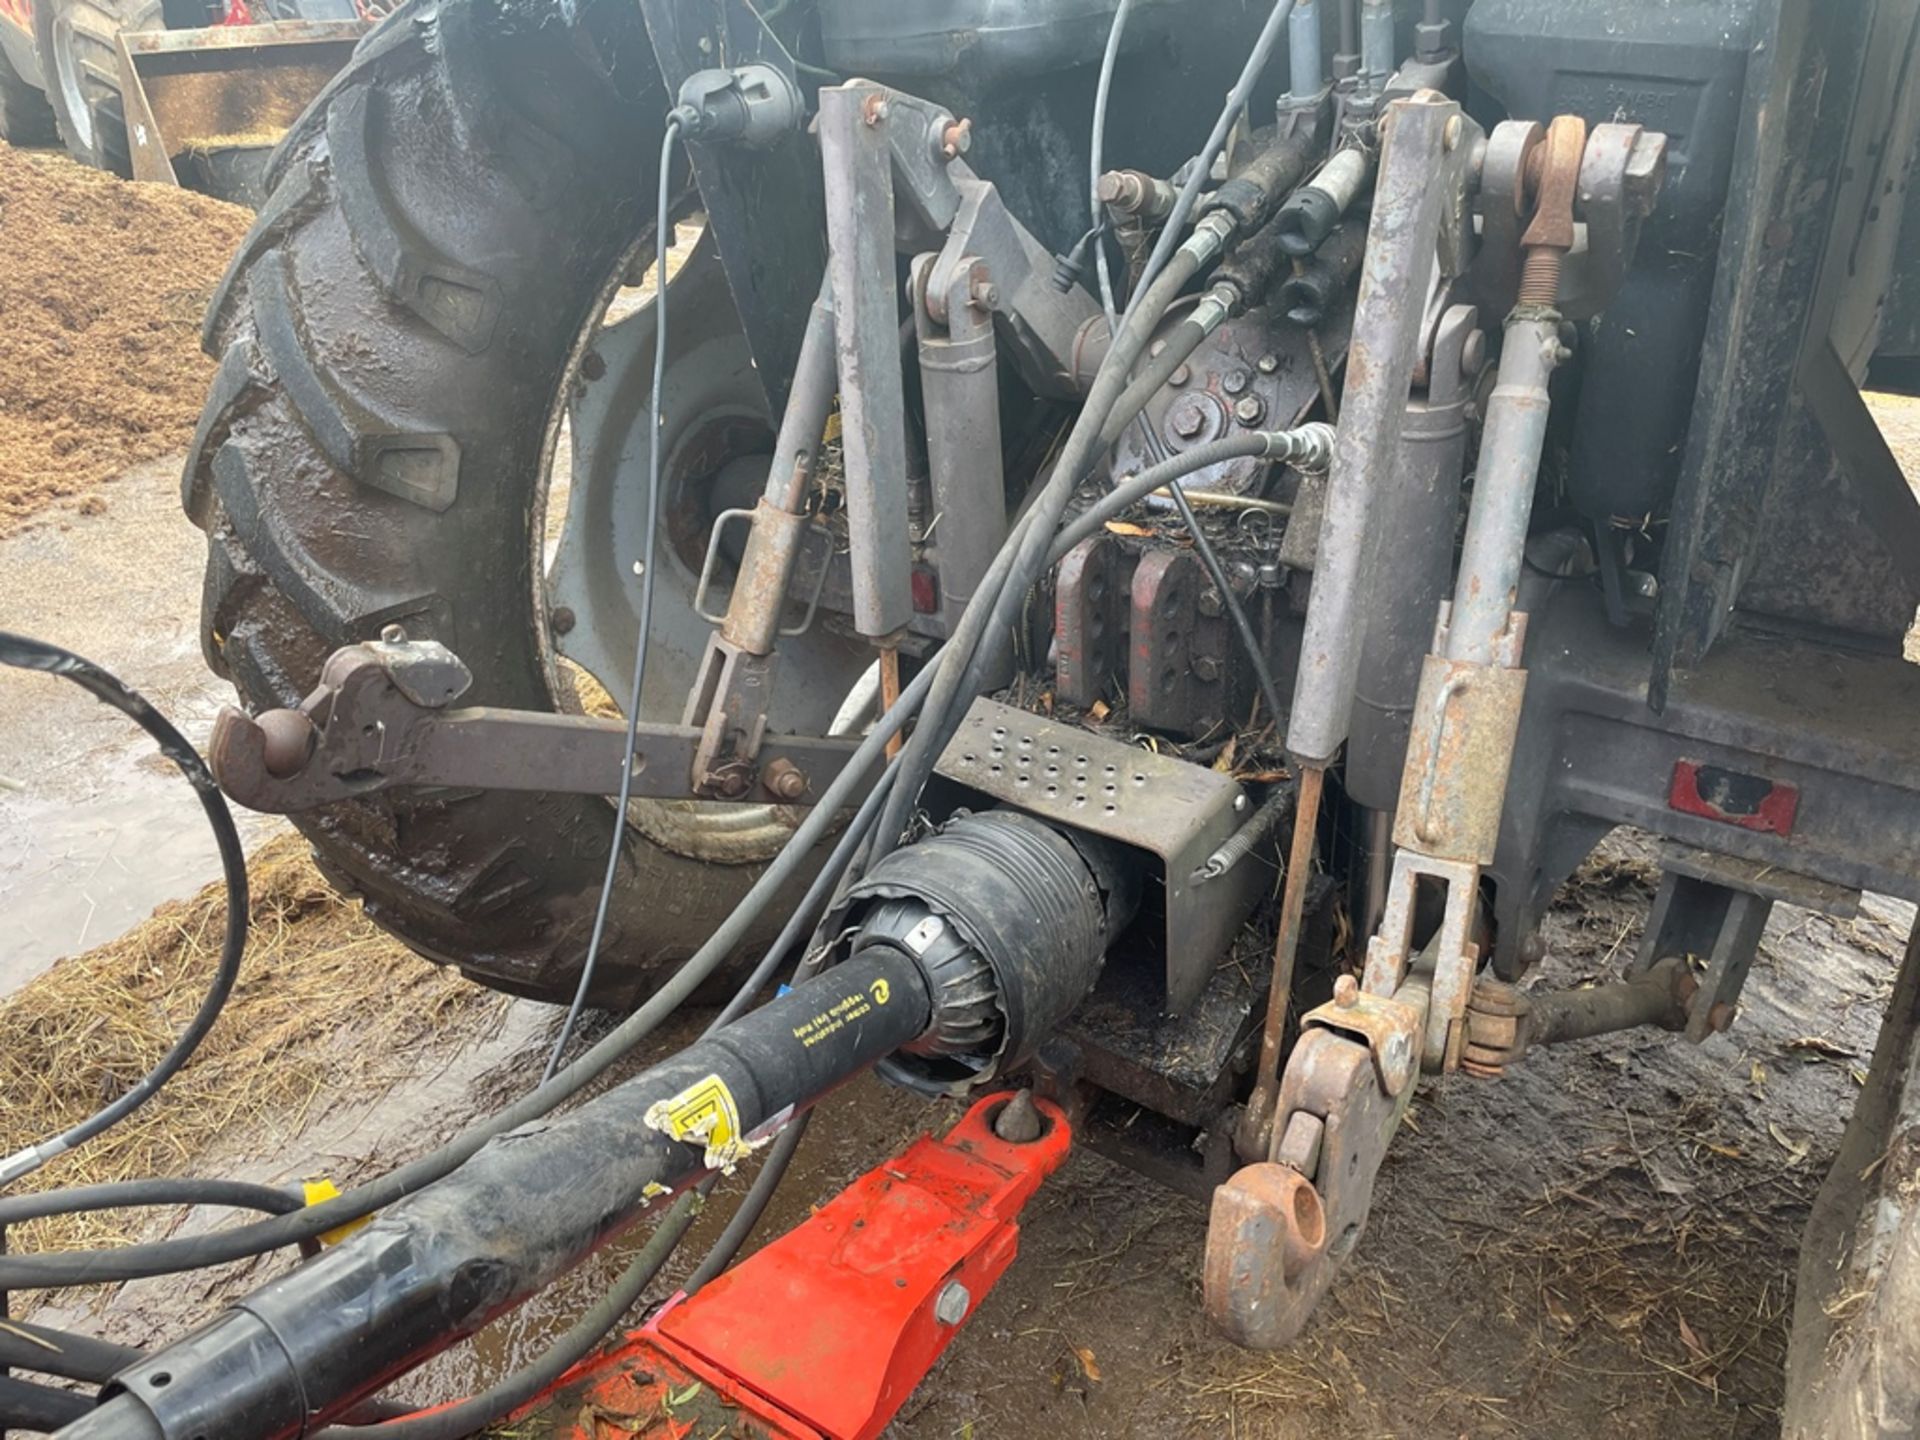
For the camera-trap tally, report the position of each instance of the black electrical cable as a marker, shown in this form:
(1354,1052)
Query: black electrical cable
(1098,159)
(662,229)
(26,654)
(40,1409)
(140,1194)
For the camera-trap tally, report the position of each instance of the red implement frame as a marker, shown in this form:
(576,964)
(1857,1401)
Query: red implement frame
(824,1333)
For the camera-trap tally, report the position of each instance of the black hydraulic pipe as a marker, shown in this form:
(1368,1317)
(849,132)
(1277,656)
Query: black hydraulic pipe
(39,1407)
(41,1348)
(527,1207)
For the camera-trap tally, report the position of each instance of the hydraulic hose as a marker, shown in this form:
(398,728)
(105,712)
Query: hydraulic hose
(753,1205)
(39,1408)
(1237,99)
(164,1257)
(25,1346)
(26,654)
(126,1194)
(1176,348)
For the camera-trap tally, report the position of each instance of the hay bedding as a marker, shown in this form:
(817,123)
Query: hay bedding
(102,286)
(326,1005)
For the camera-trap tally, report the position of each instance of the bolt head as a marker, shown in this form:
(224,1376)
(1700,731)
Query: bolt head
(1346,991)
(1249,410)
(563,620)
(953,1303)
(1207,668)
(1188,419)
(1180,376)
(1267,364)
(1234,382)
(1210,602)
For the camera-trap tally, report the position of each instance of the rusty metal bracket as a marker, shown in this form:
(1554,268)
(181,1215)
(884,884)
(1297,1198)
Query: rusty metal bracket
(1456,953)
(380,720)
(1278,1232)
(1390,1028)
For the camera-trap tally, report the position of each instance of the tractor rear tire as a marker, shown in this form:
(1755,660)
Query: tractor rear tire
(25,117)
(82,70)
(395,340)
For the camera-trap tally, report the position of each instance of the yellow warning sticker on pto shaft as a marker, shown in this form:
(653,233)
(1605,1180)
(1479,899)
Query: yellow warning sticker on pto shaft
(704,1113)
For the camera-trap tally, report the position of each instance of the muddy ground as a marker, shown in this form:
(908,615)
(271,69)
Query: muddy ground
(1604,1241)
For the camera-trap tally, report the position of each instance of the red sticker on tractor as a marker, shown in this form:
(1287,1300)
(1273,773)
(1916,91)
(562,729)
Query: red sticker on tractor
(1752,802)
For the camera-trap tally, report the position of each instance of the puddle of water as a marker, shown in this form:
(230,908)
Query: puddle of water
(89,849)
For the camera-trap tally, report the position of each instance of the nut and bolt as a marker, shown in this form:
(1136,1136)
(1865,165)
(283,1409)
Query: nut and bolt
(952,1305)
(730,781)
(956,138)
(1188,419)
(875,109)
(1346,992)
(1207,668)
(1250,410)
(1267,364)
(1234,381)
(1210,604)
(985,294)
(784,779)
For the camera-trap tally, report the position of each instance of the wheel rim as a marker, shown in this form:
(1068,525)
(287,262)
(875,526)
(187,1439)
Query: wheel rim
(718,438)
(72,82)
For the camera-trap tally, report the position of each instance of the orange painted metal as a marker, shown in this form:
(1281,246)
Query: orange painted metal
(824,1333)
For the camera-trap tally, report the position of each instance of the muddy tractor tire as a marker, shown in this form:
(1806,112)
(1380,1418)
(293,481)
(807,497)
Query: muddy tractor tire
(82,69)
(399,339)
(25,117)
